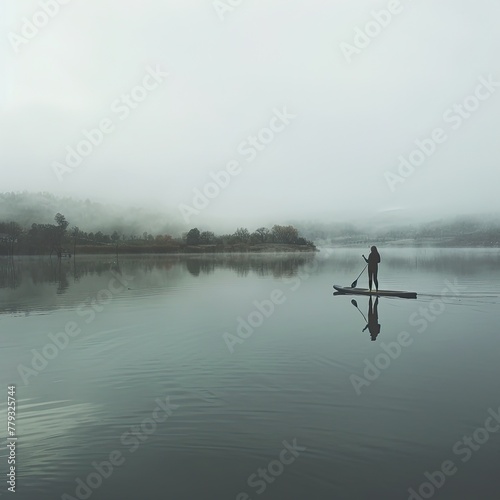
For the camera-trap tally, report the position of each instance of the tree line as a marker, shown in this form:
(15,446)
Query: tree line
(287,235)
(59,239)
(47,237)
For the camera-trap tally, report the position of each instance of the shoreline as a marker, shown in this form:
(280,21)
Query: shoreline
(410,243)
(271,248)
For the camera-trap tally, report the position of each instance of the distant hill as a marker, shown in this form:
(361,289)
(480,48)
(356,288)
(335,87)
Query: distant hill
(477,230)
(26,208)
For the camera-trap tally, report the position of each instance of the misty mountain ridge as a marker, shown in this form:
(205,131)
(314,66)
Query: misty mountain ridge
(26,208)
(466,230)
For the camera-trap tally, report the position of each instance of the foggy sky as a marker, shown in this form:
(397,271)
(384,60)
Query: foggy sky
(228,78)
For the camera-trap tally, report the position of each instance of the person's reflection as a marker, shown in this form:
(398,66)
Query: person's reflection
(373,324)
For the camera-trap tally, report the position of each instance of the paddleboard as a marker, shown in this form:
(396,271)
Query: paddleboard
(383,293)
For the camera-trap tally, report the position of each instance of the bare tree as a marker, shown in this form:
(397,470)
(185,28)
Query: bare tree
(263,233)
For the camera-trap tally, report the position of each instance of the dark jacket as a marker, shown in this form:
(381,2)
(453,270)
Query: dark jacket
(373,260)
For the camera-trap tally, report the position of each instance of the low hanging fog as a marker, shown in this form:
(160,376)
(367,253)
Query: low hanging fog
(206,114)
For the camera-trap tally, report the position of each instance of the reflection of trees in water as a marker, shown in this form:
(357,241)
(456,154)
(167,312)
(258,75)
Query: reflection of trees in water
(242,265)
(46,270)
(10,274)
(62,281)
(43,270)
(197,266)
(148,265)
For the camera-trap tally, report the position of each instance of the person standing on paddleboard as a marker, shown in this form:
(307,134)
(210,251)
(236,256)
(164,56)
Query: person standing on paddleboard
(373,261)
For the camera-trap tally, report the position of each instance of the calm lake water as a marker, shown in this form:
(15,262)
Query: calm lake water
(244,377)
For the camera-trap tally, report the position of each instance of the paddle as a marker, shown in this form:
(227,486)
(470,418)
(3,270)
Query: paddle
(355,282)
(355,304)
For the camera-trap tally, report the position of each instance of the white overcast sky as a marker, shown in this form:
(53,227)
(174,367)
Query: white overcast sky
(352,121)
